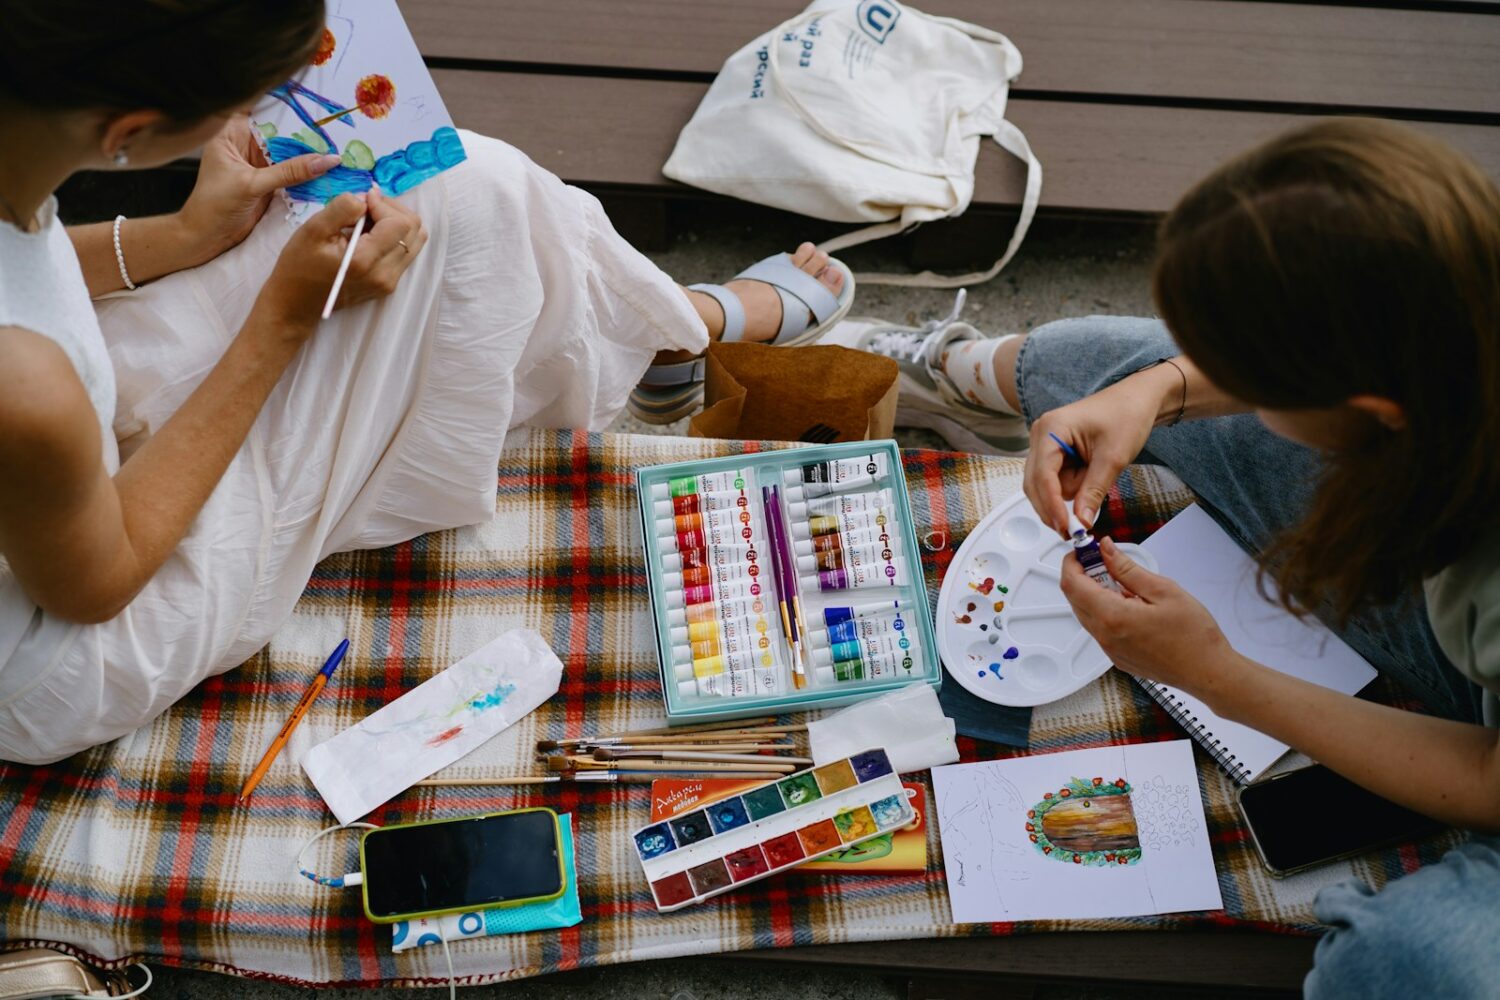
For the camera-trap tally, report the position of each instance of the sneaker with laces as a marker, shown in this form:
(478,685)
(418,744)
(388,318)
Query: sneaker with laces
(928,398)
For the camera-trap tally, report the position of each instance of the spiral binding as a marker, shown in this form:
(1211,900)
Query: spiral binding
(1205,738)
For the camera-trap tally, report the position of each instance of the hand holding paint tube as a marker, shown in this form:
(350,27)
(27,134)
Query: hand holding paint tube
(1086,550)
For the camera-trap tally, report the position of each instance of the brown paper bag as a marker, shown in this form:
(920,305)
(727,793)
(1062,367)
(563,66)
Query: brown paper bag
(822,394)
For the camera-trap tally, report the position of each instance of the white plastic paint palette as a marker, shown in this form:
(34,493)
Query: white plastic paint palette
(1005,632)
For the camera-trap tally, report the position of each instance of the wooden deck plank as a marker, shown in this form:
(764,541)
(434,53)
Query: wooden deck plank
(1097,157)
(1226,50)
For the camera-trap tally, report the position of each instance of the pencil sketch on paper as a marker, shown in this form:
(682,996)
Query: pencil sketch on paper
(1086,822)
(368,97)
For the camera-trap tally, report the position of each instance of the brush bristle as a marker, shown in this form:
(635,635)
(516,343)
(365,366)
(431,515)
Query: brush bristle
(603,754)
(559,764)
(543,746)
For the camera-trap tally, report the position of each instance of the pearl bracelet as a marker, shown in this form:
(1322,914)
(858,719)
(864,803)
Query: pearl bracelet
(120,255)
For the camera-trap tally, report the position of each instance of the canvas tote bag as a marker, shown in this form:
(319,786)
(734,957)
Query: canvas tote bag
(861,111)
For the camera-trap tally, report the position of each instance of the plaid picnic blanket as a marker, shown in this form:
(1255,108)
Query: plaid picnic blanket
(136,850)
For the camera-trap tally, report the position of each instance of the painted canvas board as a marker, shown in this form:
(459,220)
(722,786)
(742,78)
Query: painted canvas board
(1109,832)
(369,98)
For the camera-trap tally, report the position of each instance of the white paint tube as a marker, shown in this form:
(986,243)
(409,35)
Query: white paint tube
(712,482)
(846,503)
(821,478)
(856,568)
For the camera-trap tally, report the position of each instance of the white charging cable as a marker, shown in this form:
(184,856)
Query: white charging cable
(348,881)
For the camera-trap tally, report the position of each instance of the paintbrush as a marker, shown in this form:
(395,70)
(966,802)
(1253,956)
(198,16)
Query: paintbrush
(637,734)
(611,753)
(579,778)
(589,764)
(675,747)
(728,736)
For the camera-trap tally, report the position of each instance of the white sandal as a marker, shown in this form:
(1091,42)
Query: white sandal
(670,392)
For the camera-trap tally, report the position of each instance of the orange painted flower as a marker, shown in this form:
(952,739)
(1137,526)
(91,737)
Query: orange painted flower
(375,95)
(326,45)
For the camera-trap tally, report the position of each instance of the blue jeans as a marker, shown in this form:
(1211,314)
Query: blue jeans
(1432,933)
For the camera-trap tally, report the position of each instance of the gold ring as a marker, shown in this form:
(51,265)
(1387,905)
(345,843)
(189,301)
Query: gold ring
(402,244)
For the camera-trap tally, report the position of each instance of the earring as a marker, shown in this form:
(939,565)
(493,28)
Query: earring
(121,158)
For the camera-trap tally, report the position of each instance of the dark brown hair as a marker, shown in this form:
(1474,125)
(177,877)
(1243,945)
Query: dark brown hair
(1354,257)
(186,58)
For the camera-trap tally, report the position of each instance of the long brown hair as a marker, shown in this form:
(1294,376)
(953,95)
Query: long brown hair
(186,58)
(1354,257)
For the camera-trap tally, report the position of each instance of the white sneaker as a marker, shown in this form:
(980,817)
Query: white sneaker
(928,398)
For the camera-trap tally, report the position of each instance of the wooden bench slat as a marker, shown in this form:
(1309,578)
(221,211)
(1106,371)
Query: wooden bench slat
(1096,157)
(1227,50)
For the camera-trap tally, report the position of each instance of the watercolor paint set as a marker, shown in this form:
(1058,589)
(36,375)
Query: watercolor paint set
(784,580)
(1005,631)
(771,828)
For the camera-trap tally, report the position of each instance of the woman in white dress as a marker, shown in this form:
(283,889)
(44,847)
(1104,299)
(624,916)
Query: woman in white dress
(175,459)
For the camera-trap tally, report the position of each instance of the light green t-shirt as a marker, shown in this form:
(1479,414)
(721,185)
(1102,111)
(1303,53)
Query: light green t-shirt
(1463,604)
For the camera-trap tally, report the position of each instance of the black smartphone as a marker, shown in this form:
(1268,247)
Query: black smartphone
(1311,816)
(452,865)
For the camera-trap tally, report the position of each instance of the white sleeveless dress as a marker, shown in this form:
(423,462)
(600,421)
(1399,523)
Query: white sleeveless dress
(524,308)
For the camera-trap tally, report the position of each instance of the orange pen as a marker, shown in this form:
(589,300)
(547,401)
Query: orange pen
(312,692)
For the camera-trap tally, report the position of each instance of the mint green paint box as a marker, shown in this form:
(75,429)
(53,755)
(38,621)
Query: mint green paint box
(711,551)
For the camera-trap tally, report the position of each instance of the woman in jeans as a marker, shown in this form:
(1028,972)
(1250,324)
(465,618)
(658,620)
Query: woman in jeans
(1325,376)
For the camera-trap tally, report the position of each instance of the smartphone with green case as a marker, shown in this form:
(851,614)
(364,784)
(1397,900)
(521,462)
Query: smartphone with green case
(441,866)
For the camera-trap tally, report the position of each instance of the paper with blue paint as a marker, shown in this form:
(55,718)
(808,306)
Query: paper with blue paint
(565,911)
(434,724)
(368,97)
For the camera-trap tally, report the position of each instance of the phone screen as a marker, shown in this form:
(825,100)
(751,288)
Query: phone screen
(472,862)
(1314,815)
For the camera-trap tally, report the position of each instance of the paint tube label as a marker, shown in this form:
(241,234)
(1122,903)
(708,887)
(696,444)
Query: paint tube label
(742,583)
(712,482)
(864,566)
(686,506)
(1092,561)
(852,503)
(713,537)
(883,642)
(756,683)
(822,478)
(843,558)
(732,521)
(839,540)
(836,614)
(878,521)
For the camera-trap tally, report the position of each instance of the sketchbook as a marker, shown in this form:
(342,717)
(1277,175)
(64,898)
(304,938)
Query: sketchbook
(1082,834)
(368,97)
(1194,551)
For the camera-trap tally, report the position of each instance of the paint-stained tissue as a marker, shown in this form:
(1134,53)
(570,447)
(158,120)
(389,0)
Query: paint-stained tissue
(434,724)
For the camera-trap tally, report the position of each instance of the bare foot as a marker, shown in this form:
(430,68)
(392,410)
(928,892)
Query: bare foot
(762,304)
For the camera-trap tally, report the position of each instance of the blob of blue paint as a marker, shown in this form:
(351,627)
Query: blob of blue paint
(870,765)
(1011,653)
(654,841)
(727,815)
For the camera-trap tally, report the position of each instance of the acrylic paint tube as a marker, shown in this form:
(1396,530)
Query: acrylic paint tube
(689,664)
(727,536)
(722,582)
(755,684)
(699,566)
(1089,556)
(860,567)
(832,554)
(698,503)
(882,643)
(734,526)
(844,503)
(821,478)
(730,609)
(862,664)
(865,610)
(844,524)
(712,482)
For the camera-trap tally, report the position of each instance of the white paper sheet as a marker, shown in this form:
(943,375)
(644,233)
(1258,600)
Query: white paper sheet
(396,132)
(1194,551)
(433,724)
(996,872)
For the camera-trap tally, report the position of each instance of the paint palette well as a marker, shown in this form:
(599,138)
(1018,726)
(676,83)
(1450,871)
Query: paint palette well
(1005,632)
(771,828)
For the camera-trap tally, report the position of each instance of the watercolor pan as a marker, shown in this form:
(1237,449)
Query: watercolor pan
(771,828)
(718,568)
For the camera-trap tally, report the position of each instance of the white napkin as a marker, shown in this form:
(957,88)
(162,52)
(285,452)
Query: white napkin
(434,724)
(908,722)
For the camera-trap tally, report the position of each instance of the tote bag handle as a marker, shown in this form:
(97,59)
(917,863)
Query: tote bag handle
(1009,138)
